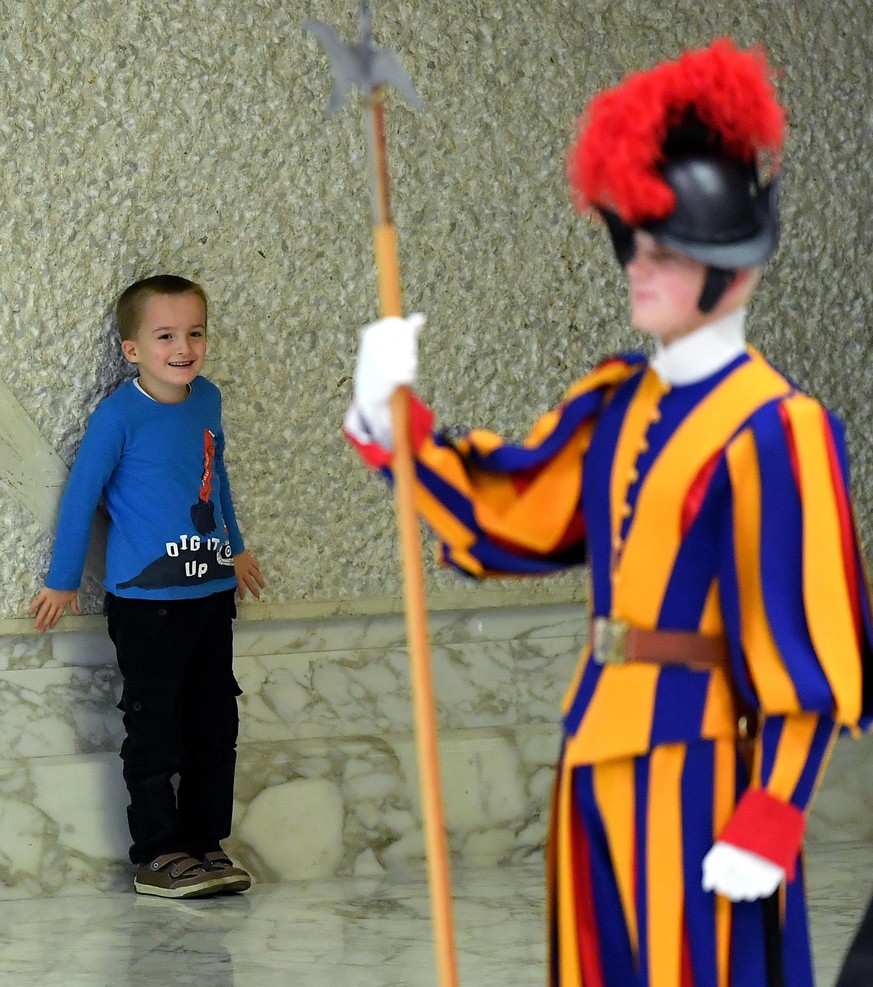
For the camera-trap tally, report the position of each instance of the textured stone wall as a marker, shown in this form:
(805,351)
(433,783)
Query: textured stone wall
(191,137)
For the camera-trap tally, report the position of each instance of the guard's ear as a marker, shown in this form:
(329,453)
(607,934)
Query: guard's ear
(720,283)
(746,279)
(741,277)
(128,348)
(716,283)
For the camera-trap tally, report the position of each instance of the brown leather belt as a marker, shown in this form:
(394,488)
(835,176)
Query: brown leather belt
(613,642)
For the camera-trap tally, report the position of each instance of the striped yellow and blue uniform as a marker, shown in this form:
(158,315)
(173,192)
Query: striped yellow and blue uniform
(719,507)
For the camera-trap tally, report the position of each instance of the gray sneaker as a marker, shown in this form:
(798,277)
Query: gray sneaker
(219,865)
(177,875)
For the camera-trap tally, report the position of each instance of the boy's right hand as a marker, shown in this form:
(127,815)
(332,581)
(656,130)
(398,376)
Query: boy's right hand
(49,606)
(387,359)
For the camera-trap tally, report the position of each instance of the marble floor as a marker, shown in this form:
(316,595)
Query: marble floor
(361,932)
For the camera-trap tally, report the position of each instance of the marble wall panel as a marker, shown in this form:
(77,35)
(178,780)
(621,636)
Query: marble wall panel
(496,790)
(83,648)
(78,647)
(485,683)
(62,826)
(318,809)
(313,808)
(843,807)
(387,631)
(59,693)
(327,782)
(49,712)
(24,651)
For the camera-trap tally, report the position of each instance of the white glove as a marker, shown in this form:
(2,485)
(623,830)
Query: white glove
(387,359)
(739,874)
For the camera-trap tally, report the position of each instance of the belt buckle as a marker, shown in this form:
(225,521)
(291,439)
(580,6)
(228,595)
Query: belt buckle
(609,640)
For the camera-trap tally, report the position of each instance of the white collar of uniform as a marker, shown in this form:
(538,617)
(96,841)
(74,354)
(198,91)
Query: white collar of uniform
(703,352)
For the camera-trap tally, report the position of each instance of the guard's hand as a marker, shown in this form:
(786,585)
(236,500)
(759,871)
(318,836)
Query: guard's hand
(49,606)
(387,359)
(739,874)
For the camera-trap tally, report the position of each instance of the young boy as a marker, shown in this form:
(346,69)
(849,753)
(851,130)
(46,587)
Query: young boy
(729,615)
(154,450)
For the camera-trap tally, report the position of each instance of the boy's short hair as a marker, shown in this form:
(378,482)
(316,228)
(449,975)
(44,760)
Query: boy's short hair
(131,302)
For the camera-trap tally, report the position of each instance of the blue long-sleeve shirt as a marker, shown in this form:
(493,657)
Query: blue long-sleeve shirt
(160,470)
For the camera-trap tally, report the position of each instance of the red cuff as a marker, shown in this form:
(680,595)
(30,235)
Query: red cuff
(764,825)
(421,420)
(373,455)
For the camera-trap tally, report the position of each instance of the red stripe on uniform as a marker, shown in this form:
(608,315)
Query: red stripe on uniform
(697,492)
(687,973)
(590,963)
(851,563)
(791,443)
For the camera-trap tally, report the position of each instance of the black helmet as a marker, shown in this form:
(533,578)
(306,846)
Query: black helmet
(723,218)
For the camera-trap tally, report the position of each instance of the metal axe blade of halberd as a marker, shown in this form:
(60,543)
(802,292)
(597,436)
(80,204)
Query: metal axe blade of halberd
(362,64)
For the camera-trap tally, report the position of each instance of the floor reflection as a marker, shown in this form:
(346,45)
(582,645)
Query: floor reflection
(355,933)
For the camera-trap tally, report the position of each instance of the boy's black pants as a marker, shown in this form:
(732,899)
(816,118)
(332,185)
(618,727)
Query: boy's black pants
(179,701)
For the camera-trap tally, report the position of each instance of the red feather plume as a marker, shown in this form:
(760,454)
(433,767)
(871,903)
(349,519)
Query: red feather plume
(615,159)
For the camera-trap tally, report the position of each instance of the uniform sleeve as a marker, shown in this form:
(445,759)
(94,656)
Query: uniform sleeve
(500,509)
(98,455)
(797,609)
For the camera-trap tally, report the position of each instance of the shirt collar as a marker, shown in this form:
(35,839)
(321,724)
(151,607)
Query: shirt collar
(145,393)
(703,352)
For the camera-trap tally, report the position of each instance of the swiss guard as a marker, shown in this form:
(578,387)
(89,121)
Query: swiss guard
(729,612)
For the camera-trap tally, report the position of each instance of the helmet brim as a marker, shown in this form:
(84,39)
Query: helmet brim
(751,252)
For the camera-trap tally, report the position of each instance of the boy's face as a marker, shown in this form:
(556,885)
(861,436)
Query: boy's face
(664,288)
(170,345)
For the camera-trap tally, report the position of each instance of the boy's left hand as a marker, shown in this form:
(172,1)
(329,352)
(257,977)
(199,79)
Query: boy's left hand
(248,575)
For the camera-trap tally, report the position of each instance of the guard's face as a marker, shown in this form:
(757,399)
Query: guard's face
(170,346)
(664,288)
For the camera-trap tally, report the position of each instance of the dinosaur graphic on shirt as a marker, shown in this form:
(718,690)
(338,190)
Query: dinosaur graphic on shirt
(190,560)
